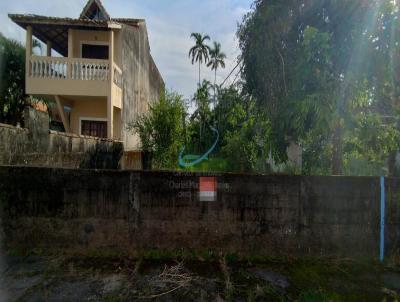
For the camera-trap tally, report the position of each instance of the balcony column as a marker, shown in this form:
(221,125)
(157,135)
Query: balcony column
(60,107)
(110,107)
(70,43)
(49,45)
(28,47)
(70,51)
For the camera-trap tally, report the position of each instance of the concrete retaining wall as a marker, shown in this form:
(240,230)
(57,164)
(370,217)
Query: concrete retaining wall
(259,215)
(36,145)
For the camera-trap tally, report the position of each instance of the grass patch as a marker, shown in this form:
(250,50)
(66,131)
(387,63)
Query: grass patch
(335,280)
(213,164)
(319,296)
(112,298)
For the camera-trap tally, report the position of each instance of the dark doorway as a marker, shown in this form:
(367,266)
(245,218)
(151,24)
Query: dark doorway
(94,128)
(91,51)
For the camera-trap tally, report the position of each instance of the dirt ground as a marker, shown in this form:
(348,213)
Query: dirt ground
(112,279)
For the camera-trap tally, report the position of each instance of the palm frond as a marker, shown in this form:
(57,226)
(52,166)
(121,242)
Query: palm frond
(199,52)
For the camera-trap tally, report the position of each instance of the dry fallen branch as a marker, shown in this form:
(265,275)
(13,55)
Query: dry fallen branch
(159,295)
(174,276)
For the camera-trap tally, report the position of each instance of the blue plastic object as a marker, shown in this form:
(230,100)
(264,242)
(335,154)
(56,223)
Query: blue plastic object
(197,159)
(383,203)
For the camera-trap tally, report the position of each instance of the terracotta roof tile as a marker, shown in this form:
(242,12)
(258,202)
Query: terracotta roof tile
(26,18)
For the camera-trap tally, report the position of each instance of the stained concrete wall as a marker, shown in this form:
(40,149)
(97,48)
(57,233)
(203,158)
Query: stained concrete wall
(36,145)
(142,82)
(253,214)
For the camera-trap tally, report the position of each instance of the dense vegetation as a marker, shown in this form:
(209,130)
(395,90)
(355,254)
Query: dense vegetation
(326,74)
(321,74)
(161,130)
(12,81)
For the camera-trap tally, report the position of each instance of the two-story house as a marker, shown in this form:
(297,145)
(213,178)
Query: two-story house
(98,70)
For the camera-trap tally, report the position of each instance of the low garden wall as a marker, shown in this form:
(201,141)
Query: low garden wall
(250,214)
(36,145)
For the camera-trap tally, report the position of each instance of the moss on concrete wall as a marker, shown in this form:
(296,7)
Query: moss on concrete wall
(252,215)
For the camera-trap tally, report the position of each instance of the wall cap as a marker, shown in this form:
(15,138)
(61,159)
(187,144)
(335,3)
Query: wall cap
(84,136)
(13,127)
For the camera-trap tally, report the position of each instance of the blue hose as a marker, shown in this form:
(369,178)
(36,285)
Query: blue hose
(184,164)
(382,239)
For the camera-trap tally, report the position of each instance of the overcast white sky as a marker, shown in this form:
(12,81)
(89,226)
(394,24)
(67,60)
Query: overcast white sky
(169,24)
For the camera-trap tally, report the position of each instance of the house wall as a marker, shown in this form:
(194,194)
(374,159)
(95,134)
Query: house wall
(87,108)
(117,96)
(142,82)
(97,37)
(118,48)
(156,81)
(87,35)
(257,215)
(117,123)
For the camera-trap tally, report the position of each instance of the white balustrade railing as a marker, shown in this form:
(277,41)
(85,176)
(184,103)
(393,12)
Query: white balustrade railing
(54,69)
(65,68)
(89,70)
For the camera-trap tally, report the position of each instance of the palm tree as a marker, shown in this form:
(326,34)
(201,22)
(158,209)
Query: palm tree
(200,50)
(217,60)
(202,113)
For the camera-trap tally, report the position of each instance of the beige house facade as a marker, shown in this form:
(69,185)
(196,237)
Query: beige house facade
(98,70)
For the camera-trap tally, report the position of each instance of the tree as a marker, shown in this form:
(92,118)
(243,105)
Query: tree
(287,69)
(36,45)
(305,63)
(200,51)
(201,117)
(12,81)
(161,131)
(381,53)
(244,131)
(217,59)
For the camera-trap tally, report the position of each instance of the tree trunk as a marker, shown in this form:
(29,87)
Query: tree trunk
(201,134)
(215,83)
(337,160)
(199,75)
(184,128)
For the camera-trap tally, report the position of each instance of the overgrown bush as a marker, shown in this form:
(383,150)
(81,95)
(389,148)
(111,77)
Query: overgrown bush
(161,130)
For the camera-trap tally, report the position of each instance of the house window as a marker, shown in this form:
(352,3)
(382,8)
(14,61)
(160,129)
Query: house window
(94,51)
(94,128)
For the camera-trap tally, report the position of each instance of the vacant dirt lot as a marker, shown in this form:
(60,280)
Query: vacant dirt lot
(157,278)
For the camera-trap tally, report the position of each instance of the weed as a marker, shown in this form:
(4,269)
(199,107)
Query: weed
(231,258)
(318,296)
(112,298)
(229,288)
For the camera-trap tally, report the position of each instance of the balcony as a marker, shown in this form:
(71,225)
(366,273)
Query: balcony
(68,76)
